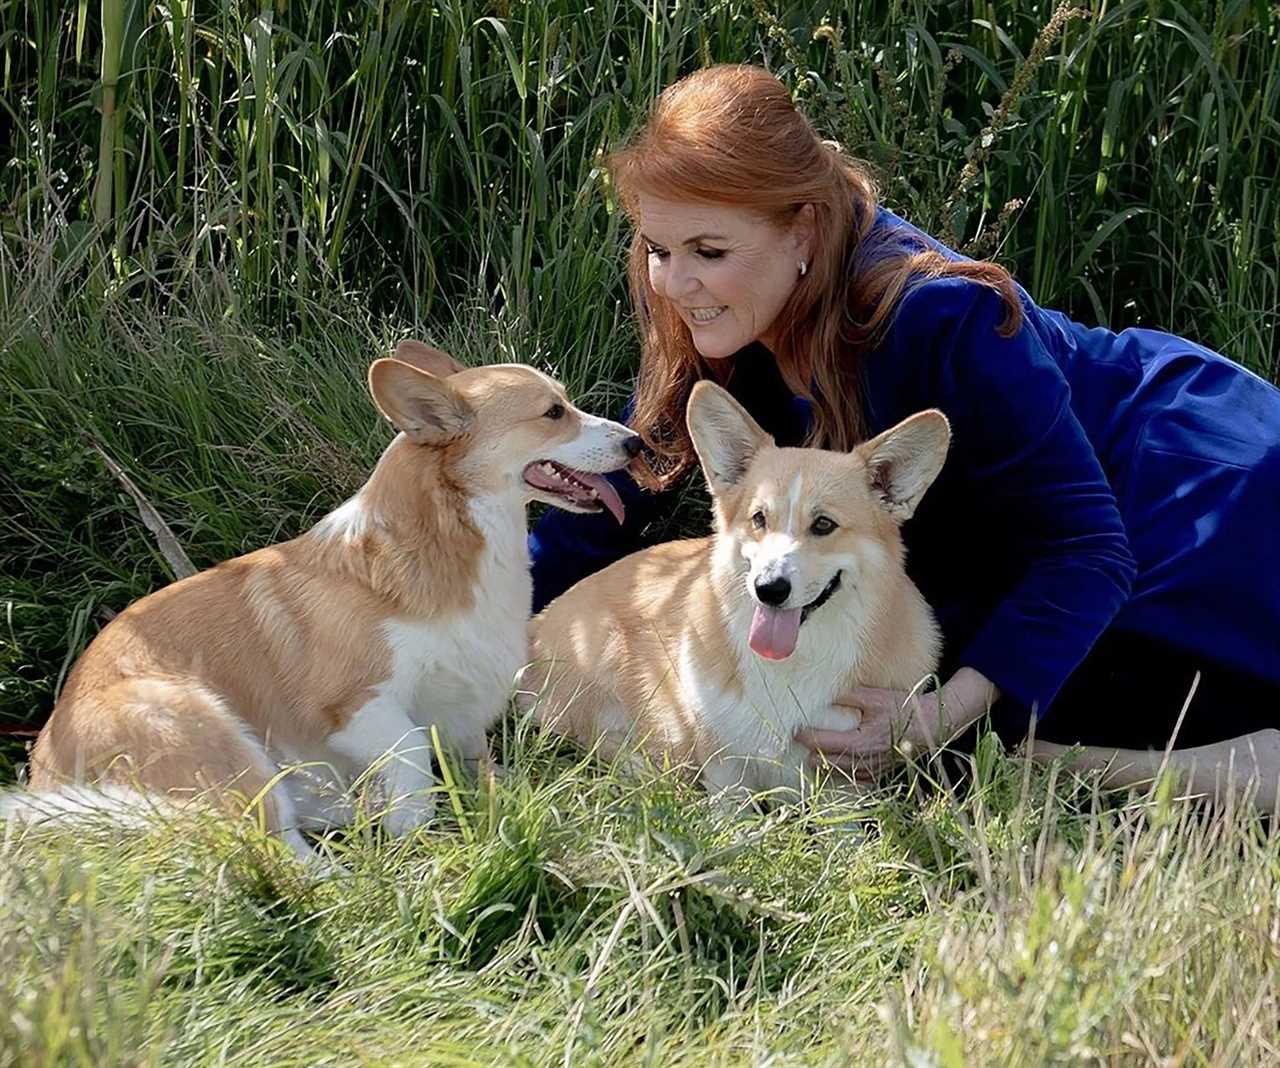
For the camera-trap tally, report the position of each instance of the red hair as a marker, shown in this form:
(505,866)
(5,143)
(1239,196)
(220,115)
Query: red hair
(731,136)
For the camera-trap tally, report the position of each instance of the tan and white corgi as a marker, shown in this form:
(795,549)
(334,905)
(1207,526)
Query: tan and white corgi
(404,609)
(711,653)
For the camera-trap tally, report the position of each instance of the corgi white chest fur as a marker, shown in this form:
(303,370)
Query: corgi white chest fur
(452,673)
(467,661)
(754,731)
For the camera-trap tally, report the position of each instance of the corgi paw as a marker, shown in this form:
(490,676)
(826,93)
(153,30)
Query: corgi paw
(486,770)
(407,814)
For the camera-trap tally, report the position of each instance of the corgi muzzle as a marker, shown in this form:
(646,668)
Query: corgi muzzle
(576,491)
(774,629)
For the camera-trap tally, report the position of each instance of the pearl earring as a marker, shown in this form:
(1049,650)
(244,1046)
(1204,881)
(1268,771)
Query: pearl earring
(804,267)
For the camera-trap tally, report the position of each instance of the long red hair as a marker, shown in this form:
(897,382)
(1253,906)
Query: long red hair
(731,136)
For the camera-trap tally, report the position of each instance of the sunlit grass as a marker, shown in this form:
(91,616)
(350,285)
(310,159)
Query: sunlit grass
(577,915)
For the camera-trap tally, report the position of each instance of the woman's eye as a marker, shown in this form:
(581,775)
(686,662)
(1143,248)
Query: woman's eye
(556,411)
(758,521)
(710,253)
(653,250)
(822,526)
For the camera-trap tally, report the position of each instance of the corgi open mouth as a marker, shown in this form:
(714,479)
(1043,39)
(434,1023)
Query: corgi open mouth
(576,491)
(775,631)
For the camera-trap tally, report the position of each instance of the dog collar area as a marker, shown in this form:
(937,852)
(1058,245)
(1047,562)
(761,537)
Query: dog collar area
(822,598)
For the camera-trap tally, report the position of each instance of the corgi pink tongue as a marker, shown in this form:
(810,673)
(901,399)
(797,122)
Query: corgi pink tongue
(605,491)
(576,487)
(774,632)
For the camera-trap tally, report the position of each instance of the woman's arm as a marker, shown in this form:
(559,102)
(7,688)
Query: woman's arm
(1034,488)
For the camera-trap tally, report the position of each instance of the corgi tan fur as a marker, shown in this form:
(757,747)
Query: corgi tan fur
(711,653)
(404,609)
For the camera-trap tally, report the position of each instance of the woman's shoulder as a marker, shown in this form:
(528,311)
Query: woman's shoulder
(930,299)
(949,306)
(891,234)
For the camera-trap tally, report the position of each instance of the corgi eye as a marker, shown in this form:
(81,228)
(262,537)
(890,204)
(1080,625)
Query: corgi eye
(758,520)
(823,526)
(556,411)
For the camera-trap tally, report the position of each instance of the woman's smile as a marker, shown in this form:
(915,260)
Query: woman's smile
(744,262)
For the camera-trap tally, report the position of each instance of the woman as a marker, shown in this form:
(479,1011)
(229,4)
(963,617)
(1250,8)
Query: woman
(1100,537)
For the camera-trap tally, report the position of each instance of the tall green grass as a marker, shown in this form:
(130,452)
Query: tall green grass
(431,154)
(579,916)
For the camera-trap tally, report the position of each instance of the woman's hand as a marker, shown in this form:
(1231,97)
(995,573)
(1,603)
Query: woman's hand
(896,723)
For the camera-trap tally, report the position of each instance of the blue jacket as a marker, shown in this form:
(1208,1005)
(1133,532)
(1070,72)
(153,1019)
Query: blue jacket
(1095,480)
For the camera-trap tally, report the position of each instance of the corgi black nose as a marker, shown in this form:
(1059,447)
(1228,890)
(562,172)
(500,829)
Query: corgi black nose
(774,592)
(633,445)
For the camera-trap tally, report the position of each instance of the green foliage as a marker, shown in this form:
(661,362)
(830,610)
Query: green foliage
(577,914)
(1120,156)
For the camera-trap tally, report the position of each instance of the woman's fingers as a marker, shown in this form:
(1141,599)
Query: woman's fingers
(894,725)
(867,751)
(830,742)
(860,768)
(871,700)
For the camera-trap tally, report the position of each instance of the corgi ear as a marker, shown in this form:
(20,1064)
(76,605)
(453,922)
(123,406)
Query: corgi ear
(902,462)
(426,358)
(725,437)
(424,406)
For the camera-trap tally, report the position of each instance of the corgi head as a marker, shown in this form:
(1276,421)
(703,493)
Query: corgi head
(511,426)
(803,527)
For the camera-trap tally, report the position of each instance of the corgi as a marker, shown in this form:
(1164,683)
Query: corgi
(402,611)
(711,653)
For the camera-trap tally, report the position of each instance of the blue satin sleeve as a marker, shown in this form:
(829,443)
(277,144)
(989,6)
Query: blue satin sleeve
(1033,485)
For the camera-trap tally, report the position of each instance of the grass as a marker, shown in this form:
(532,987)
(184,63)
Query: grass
(194,272)
(1120,156)
(580,916)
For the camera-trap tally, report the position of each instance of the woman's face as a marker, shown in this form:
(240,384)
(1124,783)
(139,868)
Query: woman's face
(726,271)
